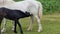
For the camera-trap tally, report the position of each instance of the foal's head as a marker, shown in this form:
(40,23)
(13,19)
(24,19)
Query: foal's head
(2,12)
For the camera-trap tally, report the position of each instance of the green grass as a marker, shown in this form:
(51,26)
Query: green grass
(50,24)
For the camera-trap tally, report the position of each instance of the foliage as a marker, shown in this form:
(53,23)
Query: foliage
(50,6)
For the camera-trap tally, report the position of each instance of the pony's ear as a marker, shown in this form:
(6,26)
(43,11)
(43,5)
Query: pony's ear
(26,12)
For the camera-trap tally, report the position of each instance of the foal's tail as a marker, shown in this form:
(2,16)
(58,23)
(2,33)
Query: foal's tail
(40,10)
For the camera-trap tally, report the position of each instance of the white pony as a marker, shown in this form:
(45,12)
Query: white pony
(32,6)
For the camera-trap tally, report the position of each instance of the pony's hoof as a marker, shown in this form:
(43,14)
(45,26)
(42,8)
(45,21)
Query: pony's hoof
(39,30)
(3,30)
(12,29)
(15,31)
(29,29)
(21,33)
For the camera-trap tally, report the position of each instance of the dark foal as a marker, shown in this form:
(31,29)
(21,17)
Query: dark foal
(13,15)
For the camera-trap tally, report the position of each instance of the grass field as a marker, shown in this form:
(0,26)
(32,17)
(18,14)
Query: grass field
(50,23)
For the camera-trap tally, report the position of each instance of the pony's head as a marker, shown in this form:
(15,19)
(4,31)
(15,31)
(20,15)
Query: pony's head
(4,0)
(30,0)
(9,0)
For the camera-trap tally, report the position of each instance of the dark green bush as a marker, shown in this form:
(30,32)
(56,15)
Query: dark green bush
(50,6)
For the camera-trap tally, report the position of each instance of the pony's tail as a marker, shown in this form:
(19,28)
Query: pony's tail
(40,10)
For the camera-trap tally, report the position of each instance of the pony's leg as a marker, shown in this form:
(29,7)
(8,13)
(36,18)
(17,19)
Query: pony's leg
(4,27)
(12,25)
(15,27)
(31,23)
(0,23)
(21,31)
(39,23)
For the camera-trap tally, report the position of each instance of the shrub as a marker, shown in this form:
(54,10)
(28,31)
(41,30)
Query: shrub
(50,6)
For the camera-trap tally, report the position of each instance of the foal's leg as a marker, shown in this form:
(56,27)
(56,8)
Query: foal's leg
(0,23)
(4,27)
(21,31)
(39,23)
(15,27)
(31,23)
